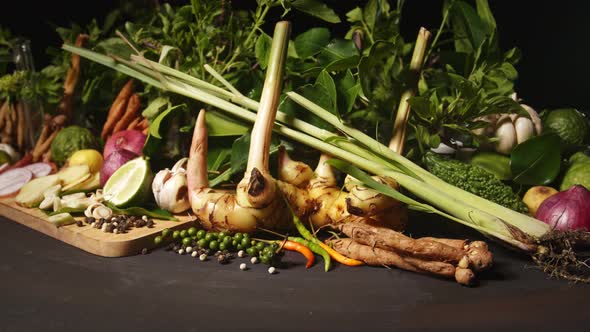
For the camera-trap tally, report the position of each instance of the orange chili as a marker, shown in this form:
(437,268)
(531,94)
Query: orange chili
(300,248)
(339,257)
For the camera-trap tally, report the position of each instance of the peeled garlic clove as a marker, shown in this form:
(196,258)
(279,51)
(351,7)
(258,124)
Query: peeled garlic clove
(90,208)
(174,194)
(506,136)
(524,129)
(102,211)
(158,182)
(534,118)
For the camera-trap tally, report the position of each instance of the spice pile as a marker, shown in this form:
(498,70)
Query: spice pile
(119,224)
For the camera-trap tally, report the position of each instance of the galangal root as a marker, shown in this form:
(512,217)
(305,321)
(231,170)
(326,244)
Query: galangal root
(449,258)
(257,202)
(315,196)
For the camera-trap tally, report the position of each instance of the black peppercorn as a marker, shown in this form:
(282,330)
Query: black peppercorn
(79,223)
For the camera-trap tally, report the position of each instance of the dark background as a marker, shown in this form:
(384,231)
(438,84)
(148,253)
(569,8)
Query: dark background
(551,35)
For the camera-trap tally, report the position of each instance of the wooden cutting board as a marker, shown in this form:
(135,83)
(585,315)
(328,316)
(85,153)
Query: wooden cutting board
(91,239)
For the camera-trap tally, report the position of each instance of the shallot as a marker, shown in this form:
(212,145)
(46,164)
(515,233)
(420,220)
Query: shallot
(567,210)
(13,180)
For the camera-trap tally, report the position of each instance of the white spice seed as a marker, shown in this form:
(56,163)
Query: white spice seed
(254,260)
(113,218)
(104,227)
(145,218)
(116,230)
(93,224)
(181,251)
(189,250)
(271,270)
(194,254)
(243,267)
(203,257)
(241,253)
(115,224)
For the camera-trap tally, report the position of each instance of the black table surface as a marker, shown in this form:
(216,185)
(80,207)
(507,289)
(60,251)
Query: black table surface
(48,285)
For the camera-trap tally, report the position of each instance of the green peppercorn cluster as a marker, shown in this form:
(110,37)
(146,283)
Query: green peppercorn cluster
(216,242)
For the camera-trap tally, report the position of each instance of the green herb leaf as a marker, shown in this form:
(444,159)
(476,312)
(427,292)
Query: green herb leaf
(468,28)
(485,14)
(154,139)
(221,125)
(155,107)
(355,15)
(380,75)
(140,211)
(311,42)
(155,126)
(536,161)
(317,9)
(339,54)
(348,89)
(262,49)
(325,81)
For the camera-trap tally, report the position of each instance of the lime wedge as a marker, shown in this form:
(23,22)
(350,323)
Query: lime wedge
(130,184)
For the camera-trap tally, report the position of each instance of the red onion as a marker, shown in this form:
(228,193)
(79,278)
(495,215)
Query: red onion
(132,140)
(113,162)
(567,210)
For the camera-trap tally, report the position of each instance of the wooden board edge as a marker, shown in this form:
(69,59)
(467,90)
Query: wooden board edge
(108,247)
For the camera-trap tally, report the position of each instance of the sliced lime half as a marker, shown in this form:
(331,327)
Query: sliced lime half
(130,184)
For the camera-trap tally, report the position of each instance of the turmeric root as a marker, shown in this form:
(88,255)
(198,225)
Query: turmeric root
(20,126)
(117,109)
(44,146)
(477,253)
(132,108)
(3,111)
(143,124)
(67,103)
(133,123)
(378,256)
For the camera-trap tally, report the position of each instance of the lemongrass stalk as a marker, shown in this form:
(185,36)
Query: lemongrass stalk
(165,70)
(528,224)
(228,95)
(269,101)
(398,138)
(223,81)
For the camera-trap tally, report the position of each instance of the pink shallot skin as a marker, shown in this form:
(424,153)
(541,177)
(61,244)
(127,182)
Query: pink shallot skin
(567,210)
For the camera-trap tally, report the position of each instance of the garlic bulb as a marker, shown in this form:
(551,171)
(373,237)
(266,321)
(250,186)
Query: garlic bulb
(170,188)
(511,129)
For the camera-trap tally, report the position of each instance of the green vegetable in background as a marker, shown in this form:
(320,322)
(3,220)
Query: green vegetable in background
(495,163)
(70,140)
(570,124)
(474,180)
(578,172)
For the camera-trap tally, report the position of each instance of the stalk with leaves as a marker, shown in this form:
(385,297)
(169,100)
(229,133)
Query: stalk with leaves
(256,202)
